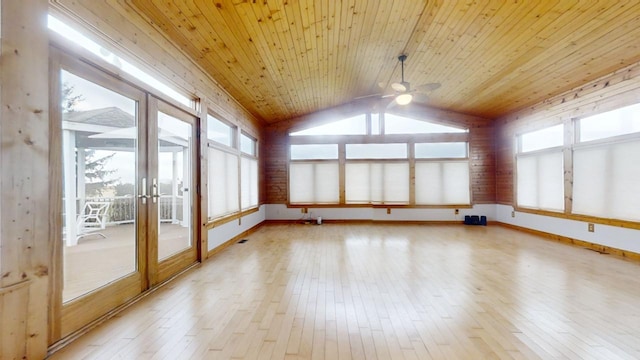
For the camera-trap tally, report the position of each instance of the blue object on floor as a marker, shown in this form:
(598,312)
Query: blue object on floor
(475,220)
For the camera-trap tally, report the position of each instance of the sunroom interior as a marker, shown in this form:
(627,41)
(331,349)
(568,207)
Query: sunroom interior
(143,139)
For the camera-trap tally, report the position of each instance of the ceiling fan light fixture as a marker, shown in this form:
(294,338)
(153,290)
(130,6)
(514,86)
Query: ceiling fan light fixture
(399,87)
(404,99)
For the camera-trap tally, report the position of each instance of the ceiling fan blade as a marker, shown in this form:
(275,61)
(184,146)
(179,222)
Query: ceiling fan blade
(420,97)
(392,104)
(367,96)
(428,87)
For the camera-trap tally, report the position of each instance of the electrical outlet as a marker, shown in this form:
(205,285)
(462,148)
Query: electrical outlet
(302,210)
(457,212)
(388,210)
(513,214)
(591,227)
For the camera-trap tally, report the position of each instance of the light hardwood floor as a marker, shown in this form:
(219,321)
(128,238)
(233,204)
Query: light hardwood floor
(368,291)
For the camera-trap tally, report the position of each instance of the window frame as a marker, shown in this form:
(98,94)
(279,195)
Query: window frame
(377,136)
(251,157)
(234,149)
(564,149)
(571,143)
(81,49)
(234,131)
(604,142)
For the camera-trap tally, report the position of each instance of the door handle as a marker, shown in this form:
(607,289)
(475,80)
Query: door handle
(143,195)
(154,190)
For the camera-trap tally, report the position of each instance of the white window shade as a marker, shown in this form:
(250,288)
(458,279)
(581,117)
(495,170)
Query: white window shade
(223,183)
(314,183)
(540,181)
(442,183)
(606,180)
(249,183)
(378,183)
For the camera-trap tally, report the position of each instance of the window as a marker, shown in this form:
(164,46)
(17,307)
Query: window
(375,124)
(356,125)
(372,169)
(542,139)
(442,183)
(396,124)
(247,145)
(376,151)
(541,181)
(249,188)
(233,169)
(248,172)
(441,150)
(540,169)
(223,183)
(622,121)
(314,151)
(115,60)
(377,183)
(606,173)
(220,132)
(314,183)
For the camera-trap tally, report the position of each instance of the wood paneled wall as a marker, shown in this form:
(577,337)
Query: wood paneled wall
(24,182)
(609,92)
(481,155)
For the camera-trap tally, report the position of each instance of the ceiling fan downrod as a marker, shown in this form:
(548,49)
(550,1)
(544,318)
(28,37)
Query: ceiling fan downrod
(402,58)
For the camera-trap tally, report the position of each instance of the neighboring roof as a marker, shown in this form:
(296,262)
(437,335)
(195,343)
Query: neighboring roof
(110,116)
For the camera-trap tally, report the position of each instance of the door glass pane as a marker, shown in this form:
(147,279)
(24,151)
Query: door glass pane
(174,182)
(99,142)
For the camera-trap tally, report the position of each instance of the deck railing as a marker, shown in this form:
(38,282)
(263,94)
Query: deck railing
(122,208)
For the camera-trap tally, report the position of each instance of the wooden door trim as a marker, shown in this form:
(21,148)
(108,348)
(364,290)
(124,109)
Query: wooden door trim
(66,318)
(159,271)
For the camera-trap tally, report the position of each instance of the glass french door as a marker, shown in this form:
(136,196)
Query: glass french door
(172,190)
(127,198)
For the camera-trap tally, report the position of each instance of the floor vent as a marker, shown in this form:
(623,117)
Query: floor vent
(243,241)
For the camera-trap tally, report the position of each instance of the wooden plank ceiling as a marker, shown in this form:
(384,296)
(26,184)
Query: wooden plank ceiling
(286,58)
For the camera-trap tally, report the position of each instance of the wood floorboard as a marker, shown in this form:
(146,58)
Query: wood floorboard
(369,291)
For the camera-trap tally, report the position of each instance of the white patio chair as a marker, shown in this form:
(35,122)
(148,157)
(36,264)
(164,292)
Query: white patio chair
(93,218)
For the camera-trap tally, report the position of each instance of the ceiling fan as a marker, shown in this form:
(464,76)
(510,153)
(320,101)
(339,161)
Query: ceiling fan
(403,94)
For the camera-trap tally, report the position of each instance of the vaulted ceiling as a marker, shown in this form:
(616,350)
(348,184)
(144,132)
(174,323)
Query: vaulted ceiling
(286,58)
